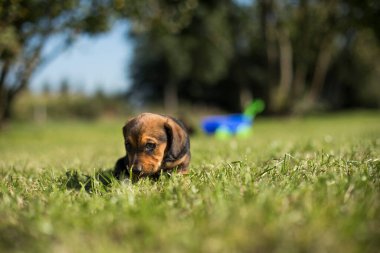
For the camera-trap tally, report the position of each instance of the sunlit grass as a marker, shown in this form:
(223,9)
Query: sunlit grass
(295,185)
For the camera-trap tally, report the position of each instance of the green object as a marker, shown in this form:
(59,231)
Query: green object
(241,128)
(243,131)
(257,106)
(222,133)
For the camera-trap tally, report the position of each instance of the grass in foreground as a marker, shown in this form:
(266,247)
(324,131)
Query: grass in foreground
(296,185)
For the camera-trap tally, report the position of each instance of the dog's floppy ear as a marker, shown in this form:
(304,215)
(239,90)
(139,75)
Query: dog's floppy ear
(128,125)
(124,130)
(177,139)
(121,167)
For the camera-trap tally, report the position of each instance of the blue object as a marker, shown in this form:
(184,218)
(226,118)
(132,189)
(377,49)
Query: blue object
(224,126)
(232,123)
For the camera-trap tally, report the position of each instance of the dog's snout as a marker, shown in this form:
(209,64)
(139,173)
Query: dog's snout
(135,165)
(136,168)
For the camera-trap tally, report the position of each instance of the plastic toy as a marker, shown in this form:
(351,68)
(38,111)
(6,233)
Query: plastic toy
(224,126)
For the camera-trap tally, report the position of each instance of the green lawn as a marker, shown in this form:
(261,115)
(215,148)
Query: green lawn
(295,185)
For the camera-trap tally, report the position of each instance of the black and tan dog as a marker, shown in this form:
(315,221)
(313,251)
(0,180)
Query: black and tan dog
(154,144)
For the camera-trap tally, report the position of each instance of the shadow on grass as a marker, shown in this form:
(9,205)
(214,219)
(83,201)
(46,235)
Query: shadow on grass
(100,181)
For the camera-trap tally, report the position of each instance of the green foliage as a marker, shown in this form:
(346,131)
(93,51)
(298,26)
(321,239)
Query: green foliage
(26,26)
(199,52)
(296,185)
(27,22)
(68,106)
(292,54)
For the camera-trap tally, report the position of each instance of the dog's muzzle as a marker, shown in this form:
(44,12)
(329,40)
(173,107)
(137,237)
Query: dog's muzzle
(136,169)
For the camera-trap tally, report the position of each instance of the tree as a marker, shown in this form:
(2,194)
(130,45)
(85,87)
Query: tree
(190,48)
(26,27)
(303,41)
(291,53)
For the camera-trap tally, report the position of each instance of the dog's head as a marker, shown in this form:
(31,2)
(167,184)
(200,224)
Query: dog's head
(154,142)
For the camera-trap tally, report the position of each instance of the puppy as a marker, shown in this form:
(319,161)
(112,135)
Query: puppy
(154,143)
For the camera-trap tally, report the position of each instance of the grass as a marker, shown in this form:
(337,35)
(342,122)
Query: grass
(295,185)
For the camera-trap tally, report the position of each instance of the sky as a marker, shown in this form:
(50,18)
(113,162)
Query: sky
(92,63)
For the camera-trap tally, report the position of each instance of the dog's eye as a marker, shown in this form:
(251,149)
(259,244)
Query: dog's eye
(128,146)
(150,146)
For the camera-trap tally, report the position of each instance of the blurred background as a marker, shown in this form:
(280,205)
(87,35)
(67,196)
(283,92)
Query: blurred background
(91,59)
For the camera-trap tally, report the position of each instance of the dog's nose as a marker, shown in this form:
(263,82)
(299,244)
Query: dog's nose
(136,168)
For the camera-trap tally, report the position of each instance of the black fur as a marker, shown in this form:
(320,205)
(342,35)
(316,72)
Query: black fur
(121,168)
(171,154)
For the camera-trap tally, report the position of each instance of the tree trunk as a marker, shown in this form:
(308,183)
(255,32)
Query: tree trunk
(171,97)
(6,110)
(268,32)
(320,71)
(4,105)
(245,97)
(281,94)
(324,55)
(299,81)
(7,98)
(9,92)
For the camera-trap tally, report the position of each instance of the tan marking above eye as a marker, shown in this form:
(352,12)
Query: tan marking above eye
(151,141)
(148,139)
(130,142)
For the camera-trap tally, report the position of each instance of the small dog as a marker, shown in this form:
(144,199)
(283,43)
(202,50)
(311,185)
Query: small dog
(154,143)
